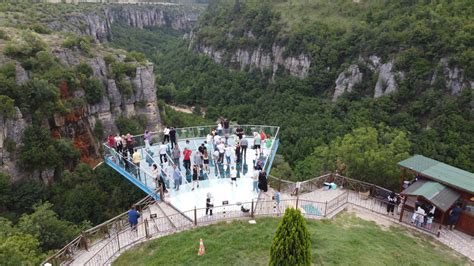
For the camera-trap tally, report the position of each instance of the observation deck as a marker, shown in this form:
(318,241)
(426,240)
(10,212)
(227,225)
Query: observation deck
(217,181)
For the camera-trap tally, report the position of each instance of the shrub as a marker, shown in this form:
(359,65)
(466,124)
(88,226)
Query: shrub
(134,125)
(125,87)
(3,35)
(84,69)
(136,56)
(8,71)
(82,43)
(99,130)
(94,90)
(39,28)
(292,243)
(121,69)
(109,59)
(25,45)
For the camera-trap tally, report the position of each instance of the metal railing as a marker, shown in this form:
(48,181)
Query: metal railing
(118,234)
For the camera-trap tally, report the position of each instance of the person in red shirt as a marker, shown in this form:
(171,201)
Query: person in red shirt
(263,136)
(187,159)
(111,141)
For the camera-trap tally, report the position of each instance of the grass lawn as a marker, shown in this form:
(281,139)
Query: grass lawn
(346,240)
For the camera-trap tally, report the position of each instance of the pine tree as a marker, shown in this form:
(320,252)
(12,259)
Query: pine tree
(291,243)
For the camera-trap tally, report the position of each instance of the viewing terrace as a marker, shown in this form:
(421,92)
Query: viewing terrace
(216,182)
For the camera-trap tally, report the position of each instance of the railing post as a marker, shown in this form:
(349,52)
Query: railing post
(251,211)
(147,234)
(118,240)
(297,198)
(326,208)
(195,216)
(84,241)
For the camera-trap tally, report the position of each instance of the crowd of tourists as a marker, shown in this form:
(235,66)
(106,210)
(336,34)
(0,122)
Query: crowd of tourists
(222,150)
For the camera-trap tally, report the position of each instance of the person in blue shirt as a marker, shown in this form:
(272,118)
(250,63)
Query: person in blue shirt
(133,216)
(454,216)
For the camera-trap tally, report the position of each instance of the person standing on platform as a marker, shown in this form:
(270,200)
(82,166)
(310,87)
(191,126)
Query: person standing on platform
(175,155)
(219,128)
(239,132)
(221,149)
(257,142)
(136,157)
(187,159)
(158,178)
(173,137)
(176,177)
(228,154)
(233,176)
(197,158)
(111,141)
(163,151)
(243,147)
(237,153)
(262,181)
(147,139)
(195,176)
(166,135)
(215,157)
(255,176)
(118,143)
(206,162)
(130,143)
(391,201)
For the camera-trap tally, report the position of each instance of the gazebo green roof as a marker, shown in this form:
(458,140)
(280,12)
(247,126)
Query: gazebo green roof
(438,194)
(441,172)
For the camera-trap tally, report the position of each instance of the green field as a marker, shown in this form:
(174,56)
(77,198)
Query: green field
(346,240)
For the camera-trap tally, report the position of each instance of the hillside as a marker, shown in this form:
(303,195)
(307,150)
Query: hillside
(357,96)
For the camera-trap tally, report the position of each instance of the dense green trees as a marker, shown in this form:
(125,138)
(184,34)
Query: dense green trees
(292,242)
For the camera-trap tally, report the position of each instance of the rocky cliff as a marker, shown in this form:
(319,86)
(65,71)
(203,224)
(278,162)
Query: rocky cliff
(274,61)
(388,79)
(78,124)
(97,23)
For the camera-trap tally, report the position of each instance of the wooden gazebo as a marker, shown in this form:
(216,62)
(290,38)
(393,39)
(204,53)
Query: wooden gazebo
(442,186)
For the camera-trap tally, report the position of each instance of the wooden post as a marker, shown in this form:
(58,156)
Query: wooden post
(251,211)
(84,241)
(195,216)
(147,234)
(297,199)
(118,240)
(162,194)
(403,208)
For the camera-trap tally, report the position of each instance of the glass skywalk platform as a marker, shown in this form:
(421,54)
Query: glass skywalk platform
(216,181)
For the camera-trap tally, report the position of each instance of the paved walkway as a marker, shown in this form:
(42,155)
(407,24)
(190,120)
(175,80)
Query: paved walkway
(168,220)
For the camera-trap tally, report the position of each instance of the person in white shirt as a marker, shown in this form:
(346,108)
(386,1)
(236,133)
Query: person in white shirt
(166,134)
(221,149)
(228,153)
(233,176)
(257,143)
(219,129)
(163,150)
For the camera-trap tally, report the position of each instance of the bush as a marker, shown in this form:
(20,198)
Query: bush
(99,130)
(84,69)
(3,35)
(109,59)
(94,90)
(121,69)
(82,43)
(25,45)
(292,243)
(39,28)
(136,56)
(134,125)
(125,87)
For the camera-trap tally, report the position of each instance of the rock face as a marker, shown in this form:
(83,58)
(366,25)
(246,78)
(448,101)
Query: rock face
(347,80)
(79,124)
(386,77)
(97,24)
(297,66)
(454,77)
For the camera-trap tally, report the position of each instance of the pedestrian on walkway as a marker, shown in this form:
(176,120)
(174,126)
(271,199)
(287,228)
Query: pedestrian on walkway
(233,176)
(206,162)
(454,215)
(391,201)
(187,159)
(133,216)
(228,153)
(257,142)
(262,181)
(237,153)
(209,203)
